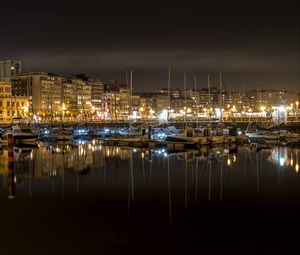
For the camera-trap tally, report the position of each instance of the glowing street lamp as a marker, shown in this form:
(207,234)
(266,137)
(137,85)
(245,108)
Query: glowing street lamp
(262,108)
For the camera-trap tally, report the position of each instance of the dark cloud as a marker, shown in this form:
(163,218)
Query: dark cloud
(250,42)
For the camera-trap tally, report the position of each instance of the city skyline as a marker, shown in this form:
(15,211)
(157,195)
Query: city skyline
(251,45)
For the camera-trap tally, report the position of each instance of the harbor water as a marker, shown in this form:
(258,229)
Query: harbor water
(87,198)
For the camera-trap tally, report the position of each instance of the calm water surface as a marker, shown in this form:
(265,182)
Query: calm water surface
(84,198)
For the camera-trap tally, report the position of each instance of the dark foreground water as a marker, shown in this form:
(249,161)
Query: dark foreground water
(89,199)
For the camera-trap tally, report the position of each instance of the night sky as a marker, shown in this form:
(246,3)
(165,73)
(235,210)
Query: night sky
(252,43)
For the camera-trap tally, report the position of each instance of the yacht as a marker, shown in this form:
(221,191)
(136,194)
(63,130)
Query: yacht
(56,134)
(21,134)
(194,135)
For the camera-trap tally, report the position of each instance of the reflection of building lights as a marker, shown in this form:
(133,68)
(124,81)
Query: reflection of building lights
(143,154)
(281,161)
(292,162)
(297,168)
(234,158)
(228,162)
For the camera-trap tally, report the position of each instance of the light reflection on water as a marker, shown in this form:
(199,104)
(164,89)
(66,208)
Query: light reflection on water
(56,163)
(86,196)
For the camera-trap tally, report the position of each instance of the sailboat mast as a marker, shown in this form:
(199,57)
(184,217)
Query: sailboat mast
(130,97)
(169,92)
(208,85)
(10,110)
(184,84)
(76,100)
(195,93)
(221,83)
(27,88)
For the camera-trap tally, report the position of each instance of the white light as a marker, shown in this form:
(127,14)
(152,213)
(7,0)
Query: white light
(281,108)
(218,113)
(163,116)
(281,161)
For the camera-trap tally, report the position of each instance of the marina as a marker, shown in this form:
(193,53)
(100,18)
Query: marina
(149,128)
(147,136)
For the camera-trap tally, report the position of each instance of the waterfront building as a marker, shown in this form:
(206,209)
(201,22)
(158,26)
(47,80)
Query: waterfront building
(44,92)
(116,98)
(97,94)
(76,98)
(11,106)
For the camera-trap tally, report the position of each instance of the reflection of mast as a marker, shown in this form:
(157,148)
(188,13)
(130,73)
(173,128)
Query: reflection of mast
(31,166)
(278,163)
(257,174)
(128,195)
(143,166)
(196,188)
(131,174)
(221,183)
(209,181)
(63,176)
(185,185)
(77,172)
(169,191)
(150,165)
(11,171)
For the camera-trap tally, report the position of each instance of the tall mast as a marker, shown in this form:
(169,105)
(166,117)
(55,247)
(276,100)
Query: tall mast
(221,84)
(208,85)
(126,78)
(130,95)
(184,85)
(27,88)
(10,110)
(196,106)
(76,100)
(169,92)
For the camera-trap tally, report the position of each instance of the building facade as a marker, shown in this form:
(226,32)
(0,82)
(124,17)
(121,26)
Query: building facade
(12,107)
